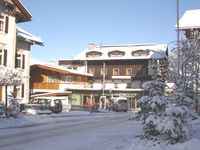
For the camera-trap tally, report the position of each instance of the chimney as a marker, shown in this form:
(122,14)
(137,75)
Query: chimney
(91,46)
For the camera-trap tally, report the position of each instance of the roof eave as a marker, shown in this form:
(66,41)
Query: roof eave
(26,16)
(49,68)
(31,41)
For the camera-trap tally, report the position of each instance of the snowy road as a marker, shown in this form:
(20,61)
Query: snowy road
(109,131)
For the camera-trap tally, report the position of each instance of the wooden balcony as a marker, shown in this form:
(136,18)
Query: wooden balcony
(49,86)
(140,77)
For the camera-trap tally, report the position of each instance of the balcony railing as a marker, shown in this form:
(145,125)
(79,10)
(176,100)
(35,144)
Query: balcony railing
(140,75)
(49,86)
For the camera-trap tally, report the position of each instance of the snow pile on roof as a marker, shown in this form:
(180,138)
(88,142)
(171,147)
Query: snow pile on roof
(29,37)
(155,51)
(190,20)
(36,61)
(65,69)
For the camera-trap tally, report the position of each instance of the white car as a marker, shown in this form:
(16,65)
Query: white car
(119,104)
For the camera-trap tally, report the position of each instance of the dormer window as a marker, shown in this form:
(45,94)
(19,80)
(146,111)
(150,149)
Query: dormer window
(116,53)
(93,54)
(140,53)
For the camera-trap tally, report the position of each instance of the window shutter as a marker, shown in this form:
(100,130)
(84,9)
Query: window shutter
(16,60)
(6,25)
(5,58)
(22,90)
(23,61)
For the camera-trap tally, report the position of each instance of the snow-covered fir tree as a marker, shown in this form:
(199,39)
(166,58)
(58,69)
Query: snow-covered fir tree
(152,108)
(169,118)
(176,123)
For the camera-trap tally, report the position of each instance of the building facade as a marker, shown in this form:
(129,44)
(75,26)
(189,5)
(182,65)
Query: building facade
(15,44)
(22,61)
(189,27)
(119,70)
(51,80)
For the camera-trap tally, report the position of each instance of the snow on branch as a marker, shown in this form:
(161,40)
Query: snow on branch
(10,76)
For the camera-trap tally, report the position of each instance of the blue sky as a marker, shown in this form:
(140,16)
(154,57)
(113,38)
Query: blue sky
(67,26)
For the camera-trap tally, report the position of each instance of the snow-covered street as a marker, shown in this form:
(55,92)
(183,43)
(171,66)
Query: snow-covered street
(81,131)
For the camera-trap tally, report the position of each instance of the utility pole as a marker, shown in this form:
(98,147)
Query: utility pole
(178,36)
(104,74)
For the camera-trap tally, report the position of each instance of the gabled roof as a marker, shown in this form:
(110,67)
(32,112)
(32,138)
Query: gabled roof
(59,69)
(190,20)
(155,51)
(21,12)
(28,37)
(50,68)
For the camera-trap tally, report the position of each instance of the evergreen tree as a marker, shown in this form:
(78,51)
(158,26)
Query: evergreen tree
(153,107)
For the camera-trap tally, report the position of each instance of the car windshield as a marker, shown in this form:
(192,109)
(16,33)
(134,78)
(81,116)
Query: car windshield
(41,101)
(57,101)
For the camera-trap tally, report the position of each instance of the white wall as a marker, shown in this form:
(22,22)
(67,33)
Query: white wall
(8,42)
(25,49)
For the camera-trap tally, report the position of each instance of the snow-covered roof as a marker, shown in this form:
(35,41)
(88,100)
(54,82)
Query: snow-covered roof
(155,51)
(62,69)
(29,37)
(35,61)
(190,20)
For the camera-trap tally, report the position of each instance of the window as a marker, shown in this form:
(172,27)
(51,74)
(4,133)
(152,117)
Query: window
(128,85)
(63,78)
(91,70)
(142,71)
(74,68)
(116,53)
(4,23)
(79,79)
(140,53)
(20,61)
(93,54)
(128,71)
(52,79)
(67,79)
(162,62)
(116,71)
(115,85)
(3,57)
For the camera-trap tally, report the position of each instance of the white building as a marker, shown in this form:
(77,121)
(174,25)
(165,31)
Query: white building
(118,69)
(15,44)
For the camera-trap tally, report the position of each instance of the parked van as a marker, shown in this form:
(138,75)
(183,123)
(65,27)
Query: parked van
(119,104)
(44,105)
